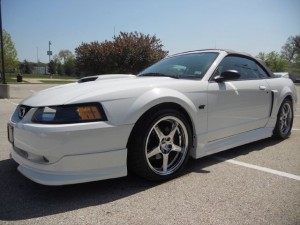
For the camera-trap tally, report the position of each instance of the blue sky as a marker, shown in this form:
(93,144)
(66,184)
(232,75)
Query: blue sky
(251,26)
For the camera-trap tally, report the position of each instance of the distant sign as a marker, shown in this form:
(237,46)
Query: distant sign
(49,52)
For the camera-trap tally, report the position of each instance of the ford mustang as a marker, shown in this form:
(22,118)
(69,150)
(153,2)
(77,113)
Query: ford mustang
(190,104)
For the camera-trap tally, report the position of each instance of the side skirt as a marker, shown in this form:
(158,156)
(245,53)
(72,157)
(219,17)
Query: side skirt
(231,142)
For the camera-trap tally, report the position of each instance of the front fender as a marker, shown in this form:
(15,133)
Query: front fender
(129,110)
(157,96)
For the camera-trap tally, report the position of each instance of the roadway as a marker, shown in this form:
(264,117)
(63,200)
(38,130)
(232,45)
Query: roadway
(258,183)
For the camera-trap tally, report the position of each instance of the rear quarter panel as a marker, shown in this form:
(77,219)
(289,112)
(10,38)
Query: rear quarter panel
(281,88)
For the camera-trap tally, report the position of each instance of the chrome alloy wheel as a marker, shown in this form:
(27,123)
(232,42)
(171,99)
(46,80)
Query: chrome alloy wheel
(285,118)
(166,145)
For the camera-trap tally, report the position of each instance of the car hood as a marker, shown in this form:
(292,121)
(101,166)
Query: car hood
(104,88)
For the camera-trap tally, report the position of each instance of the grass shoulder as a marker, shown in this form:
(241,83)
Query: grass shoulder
(11,78)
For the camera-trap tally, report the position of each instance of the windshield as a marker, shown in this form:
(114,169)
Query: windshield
(190,66)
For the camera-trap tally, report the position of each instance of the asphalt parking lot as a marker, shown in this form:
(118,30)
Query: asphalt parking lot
(258,183)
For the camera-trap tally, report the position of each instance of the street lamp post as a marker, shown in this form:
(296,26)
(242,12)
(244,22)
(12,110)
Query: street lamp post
(4,87)
(2,48)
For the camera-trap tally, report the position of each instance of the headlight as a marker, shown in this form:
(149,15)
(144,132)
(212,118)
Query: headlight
(81,113)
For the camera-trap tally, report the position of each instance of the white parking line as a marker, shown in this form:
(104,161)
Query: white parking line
(295,129)
(11,102)
(260,168)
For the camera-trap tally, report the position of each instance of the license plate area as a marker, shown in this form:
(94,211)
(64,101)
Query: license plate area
(10,133)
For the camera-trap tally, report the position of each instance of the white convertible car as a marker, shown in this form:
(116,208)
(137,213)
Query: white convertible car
(190,104)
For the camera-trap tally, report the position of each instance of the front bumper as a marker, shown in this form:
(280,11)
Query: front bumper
(70,153)
(76,168)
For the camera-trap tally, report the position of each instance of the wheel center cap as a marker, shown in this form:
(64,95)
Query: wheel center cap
(166,147)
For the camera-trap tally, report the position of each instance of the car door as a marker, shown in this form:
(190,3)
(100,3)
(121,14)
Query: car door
(241,105)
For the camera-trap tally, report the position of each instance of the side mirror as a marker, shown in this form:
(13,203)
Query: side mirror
(227,75)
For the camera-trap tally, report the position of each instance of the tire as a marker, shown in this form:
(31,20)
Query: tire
(284,121)
(159,145)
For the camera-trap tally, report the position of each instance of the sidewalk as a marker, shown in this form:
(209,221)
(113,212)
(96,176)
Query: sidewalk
(32,81)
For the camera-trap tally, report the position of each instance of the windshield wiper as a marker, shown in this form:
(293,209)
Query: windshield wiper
(157,75)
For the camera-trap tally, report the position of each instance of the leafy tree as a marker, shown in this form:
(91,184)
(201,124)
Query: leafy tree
(91,58)
(291,49)
(10,53)
(275,61)
(52,67)
(69,66)
(65,62)
(27,67)
(56,58)
(126,53)
(64,54)
(59,68)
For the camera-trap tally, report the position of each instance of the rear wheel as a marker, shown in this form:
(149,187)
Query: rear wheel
(159,145)
(284,121)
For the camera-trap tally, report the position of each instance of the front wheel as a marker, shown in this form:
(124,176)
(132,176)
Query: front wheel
(159,146)
(284,121)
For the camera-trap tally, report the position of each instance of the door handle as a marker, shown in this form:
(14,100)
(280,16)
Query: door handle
(262,87)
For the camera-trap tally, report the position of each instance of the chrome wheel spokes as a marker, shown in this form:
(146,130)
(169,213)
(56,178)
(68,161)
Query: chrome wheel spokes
(166,145)
(285,118)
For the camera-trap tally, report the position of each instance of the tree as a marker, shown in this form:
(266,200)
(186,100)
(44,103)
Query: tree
(126,53)
(10,53)
(275,61)
(27,67)
(52,67)
(64,54)
(64,62)
(60,68)
(291,49)
(69,66)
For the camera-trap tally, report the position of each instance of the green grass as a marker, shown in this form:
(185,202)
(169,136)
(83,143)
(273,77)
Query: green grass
(11,78)
(56,82)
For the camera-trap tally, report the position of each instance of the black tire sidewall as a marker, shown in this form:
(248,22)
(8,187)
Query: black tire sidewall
(137,157)
(277,131)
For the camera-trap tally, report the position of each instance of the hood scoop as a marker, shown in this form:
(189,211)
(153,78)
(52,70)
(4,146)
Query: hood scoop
(87,79)
(104,77)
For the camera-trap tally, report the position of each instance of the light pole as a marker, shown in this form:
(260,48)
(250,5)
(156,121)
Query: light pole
(4,87)
(2,48)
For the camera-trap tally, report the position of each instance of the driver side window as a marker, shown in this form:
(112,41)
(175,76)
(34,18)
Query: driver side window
(247,68)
